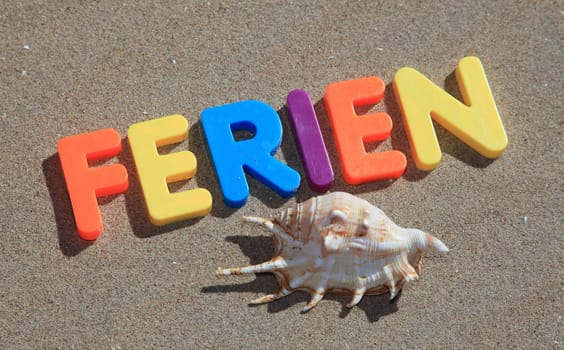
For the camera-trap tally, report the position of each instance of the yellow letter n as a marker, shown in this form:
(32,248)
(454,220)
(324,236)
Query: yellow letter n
(476,121)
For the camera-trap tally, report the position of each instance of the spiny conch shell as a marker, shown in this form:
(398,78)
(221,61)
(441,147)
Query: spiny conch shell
(339,243)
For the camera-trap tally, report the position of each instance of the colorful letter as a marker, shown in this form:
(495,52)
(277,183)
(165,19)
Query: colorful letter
(351,131)
(232,158)
(157,171)
(476,121)
(84,183)
(308,135)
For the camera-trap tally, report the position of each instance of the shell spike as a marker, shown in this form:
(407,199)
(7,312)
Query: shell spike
(388,272)
(255,219)
(434,242)
(268,266)
(424,240)
(270,226)
(270,297)
(357,297)
(315,299)
(393,292)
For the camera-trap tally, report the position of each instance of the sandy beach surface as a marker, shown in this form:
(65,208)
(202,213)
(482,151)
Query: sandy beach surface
(70,67)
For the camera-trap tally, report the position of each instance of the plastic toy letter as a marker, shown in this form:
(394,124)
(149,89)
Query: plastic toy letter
(232,158)
(351,131)
(84,183)
(308,136)
(157,171)
(476,121)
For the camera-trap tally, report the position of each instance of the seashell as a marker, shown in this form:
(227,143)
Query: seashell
(339,243)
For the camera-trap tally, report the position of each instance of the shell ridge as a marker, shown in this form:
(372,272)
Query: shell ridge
(313,215)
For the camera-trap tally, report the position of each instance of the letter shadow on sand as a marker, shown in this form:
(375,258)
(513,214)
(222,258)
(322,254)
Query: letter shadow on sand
(259,249)
(448,143)
(135,201)
(293,157)
(206,176)
(69,241)
(398,141)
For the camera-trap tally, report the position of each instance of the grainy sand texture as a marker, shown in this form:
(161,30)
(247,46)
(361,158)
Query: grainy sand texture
(69,67)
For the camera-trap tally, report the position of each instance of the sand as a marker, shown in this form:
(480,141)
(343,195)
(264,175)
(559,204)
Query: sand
(72,67)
